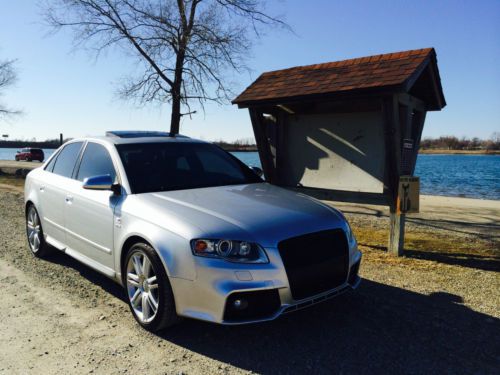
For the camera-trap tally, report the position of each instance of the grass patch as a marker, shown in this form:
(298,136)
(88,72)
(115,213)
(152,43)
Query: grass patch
(12,180)
(441,247)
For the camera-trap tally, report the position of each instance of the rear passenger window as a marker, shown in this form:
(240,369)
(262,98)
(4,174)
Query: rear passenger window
(66,159)
(50,166)
(96,162)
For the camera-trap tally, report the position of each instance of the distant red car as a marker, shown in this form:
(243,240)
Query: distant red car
(30,154)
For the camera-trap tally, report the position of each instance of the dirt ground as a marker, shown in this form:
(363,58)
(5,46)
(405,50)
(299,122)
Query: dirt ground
(436,310)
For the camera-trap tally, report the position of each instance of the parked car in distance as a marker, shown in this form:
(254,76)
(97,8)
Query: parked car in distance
(30,154)
(188,230)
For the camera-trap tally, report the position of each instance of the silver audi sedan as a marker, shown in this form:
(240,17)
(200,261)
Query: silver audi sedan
(187,229)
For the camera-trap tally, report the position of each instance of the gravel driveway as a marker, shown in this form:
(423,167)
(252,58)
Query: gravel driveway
(412,316)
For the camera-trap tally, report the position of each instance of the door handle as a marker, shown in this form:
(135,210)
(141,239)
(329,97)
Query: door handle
(42,188)
(69,199)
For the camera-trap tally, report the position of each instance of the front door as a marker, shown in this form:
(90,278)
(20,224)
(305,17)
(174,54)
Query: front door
(89,214)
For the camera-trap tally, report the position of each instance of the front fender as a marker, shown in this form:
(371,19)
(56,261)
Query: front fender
(173,250)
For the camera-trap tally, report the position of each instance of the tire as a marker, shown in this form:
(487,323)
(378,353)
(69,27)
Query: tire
(34,233)
(17,159)
(151,301)
(28,159)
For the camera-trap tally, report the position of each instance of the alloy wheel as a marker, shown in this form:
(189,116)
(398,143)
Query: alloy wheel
(33,229)
(142,286)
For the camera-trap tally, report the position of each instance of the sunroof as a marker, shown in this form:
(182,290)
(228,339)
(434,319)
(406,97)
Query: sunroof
(138,134)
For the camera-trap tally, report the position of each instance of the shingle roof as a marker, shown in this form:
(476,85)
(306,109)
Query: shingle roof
(372,72)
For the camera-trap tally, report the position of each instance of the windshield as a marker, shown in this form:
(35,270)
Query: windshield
(153,167)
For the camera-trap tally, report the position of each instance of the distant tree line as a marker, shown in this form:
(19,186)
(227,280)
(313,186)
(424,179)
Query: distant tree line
(464,143)
(244,144)
(19,143)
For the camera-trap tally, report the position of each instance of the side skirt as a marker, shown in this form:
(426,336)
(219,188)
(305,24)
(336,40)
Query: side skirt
(81,258)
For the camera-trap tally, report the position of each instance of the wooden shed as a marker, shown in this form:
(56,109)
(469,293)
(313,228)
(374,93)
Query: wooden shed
(346,130)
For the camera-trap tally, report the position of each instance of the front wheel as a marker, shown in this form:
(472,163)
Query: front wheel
(34,232)
(149,293)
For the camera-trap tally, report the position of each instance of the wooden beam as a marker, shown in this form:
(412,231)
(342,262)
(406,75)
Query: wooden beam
(392,143)
(281,120)
(409,100)
(378,199)
(418,127)
(393,138)
(396,234)
(263,145)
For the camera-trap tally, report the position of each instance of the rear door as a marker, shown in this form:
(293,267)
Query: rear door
(89,214)
(53,190)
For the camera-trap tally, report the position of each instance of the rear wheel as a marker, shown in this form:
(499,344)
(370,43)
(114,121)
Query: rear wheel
(34,232)
(149,293)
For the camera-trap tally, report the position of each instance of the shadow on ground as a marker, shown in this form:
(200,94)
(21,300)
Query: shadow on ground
(377,329)
(462,259)
(60,258)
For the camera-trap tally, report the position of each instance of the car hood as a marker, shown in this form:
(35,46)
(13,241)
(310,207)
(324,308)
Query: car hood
(259,212)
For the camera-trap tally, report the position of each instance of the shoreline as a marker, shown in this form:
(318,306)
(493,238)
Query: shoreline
(458,152)
(421,151)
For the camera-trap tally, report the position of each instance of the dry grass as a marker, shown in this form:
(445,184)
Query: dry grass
(428,250)
(12,180)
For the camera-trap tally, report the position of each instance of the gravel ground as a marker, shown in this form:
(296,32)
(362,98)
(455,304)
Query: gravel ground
(413,315)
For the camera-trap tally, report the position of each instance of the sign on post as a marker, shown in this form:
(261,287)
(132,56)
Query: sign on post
(408,195)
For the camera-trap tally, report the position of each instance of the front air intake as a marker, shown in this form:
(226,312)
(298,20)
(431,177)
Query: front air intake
(315,262)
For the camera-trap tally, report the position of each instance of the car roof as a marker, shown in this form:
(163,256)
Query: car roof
(132,137)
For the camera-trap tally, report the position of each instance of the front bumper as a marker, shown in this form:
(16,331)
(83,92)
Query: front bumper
(209,296)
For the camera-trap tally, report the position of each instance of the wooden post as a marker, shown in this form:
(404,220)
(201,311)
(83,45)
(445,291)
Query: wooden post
(393,141)
(265,155)
(60,139)
(280,146)
(396,233)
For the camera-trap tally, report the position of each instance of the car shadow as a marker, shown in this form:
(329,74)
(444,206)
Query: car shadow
(108,285)
(378,329)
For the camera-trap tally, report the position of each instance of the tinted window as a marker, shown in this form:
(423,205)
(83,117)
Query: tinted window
(50,166)
(66,159)
(176,166)
(95,162)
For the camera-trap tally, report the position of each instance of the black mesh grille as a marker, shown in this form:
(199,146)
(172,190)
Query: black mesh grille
(315,262)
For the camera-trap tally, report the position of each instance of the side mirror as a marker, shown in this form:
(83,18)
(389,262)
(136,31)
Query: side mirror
(18,152)
(99,183)
(259,172)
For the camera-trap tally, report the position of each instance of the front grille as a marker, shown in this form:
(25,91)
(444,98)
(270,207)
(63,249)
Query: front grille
(315,262)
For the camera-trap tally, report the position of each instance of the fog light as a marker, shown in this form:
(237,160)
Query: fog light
(240,304)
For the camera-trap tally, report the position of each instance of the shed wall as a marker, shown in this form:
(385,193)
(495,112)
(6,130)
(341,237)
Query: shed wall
(341,151)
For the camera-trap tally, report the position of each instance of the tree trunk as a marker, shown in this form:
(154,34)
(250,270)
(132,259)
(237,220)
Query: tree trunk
(176,92)
(175,119)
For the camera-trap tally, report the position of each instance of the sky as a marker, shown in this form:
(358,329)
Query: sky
(63,90)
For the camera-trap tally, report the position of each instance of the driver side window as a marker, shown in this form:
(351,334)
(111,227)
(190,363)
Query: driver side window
(96,161)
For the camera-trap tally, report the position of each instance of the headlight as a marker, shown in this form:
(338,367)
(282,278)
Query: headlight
(233,251)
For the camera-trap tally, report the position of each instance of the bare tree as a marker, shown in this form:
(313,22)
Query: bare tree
(187,47)
(8,77)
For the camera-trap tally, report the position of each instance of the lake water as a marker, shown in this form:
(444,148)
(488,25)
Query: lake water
(472,176)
